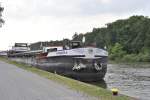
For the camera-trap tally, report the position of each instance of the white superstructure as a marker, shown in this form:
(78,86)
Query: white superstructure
(86,53)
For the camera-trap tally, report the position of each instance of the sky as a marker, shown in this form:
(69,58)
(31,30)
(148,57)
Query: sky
(29,21)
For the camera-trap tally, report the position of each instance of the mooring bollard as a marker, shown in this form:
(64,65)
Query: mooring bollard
(114,91)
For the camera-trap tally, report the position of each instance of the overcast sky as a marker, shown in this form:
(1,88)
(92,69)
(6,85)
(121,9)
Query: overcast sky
(44,20)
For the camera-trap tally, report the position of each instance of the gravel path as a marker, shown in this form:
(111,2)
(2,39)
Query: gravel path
(19,84)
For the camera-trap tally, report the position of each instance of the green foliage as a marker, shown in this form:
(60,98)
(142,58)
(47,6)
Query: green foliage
(77,37)
(117,52)
(130,58)
(127,39)
(1,20)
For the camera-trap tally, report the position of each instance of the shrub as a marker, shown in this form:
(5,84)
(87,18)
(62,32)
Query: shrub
(117,52)
(130,57)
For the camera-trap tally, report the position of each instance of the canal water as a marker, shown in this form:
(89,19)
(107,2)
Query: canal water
(131,80)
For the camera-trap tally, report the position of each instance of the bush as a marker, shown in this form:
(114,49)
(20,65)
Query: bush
(130,58)
(136,57)
(117,52)
(144,57)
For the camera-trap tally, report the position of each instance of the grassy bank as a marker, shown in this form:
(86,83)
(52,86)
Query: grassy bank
(92,90)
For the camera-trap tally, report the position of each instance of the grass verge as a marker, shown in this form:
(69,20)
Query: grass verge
(89,89)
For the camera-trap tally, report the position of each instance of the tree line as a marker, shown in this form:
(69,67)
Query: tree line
(126,39)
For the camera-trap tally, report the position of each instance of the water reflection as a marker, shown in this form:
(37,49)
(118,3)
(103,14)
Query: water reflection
(101,83)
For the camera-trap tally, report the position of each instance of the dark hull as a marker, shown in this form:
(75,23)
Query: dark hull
(64,66)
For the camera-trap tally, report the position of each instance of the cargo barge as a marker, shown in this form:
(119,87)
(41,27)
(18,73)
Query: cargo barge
(84,63)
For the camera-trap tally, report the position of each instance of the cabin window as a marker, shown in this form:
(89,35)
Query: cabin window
(76,44)
(20,45)
(52,50)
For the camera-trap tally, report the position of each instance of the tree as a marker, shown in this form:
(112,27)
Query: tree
(117,51)
(123,36)
(1,20)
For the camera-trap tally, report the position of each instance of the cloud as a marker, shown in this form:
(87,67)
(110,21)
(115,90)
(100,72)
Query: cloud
(65,8)
(116,7)
(44,20)
(45,28)
(128,6)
